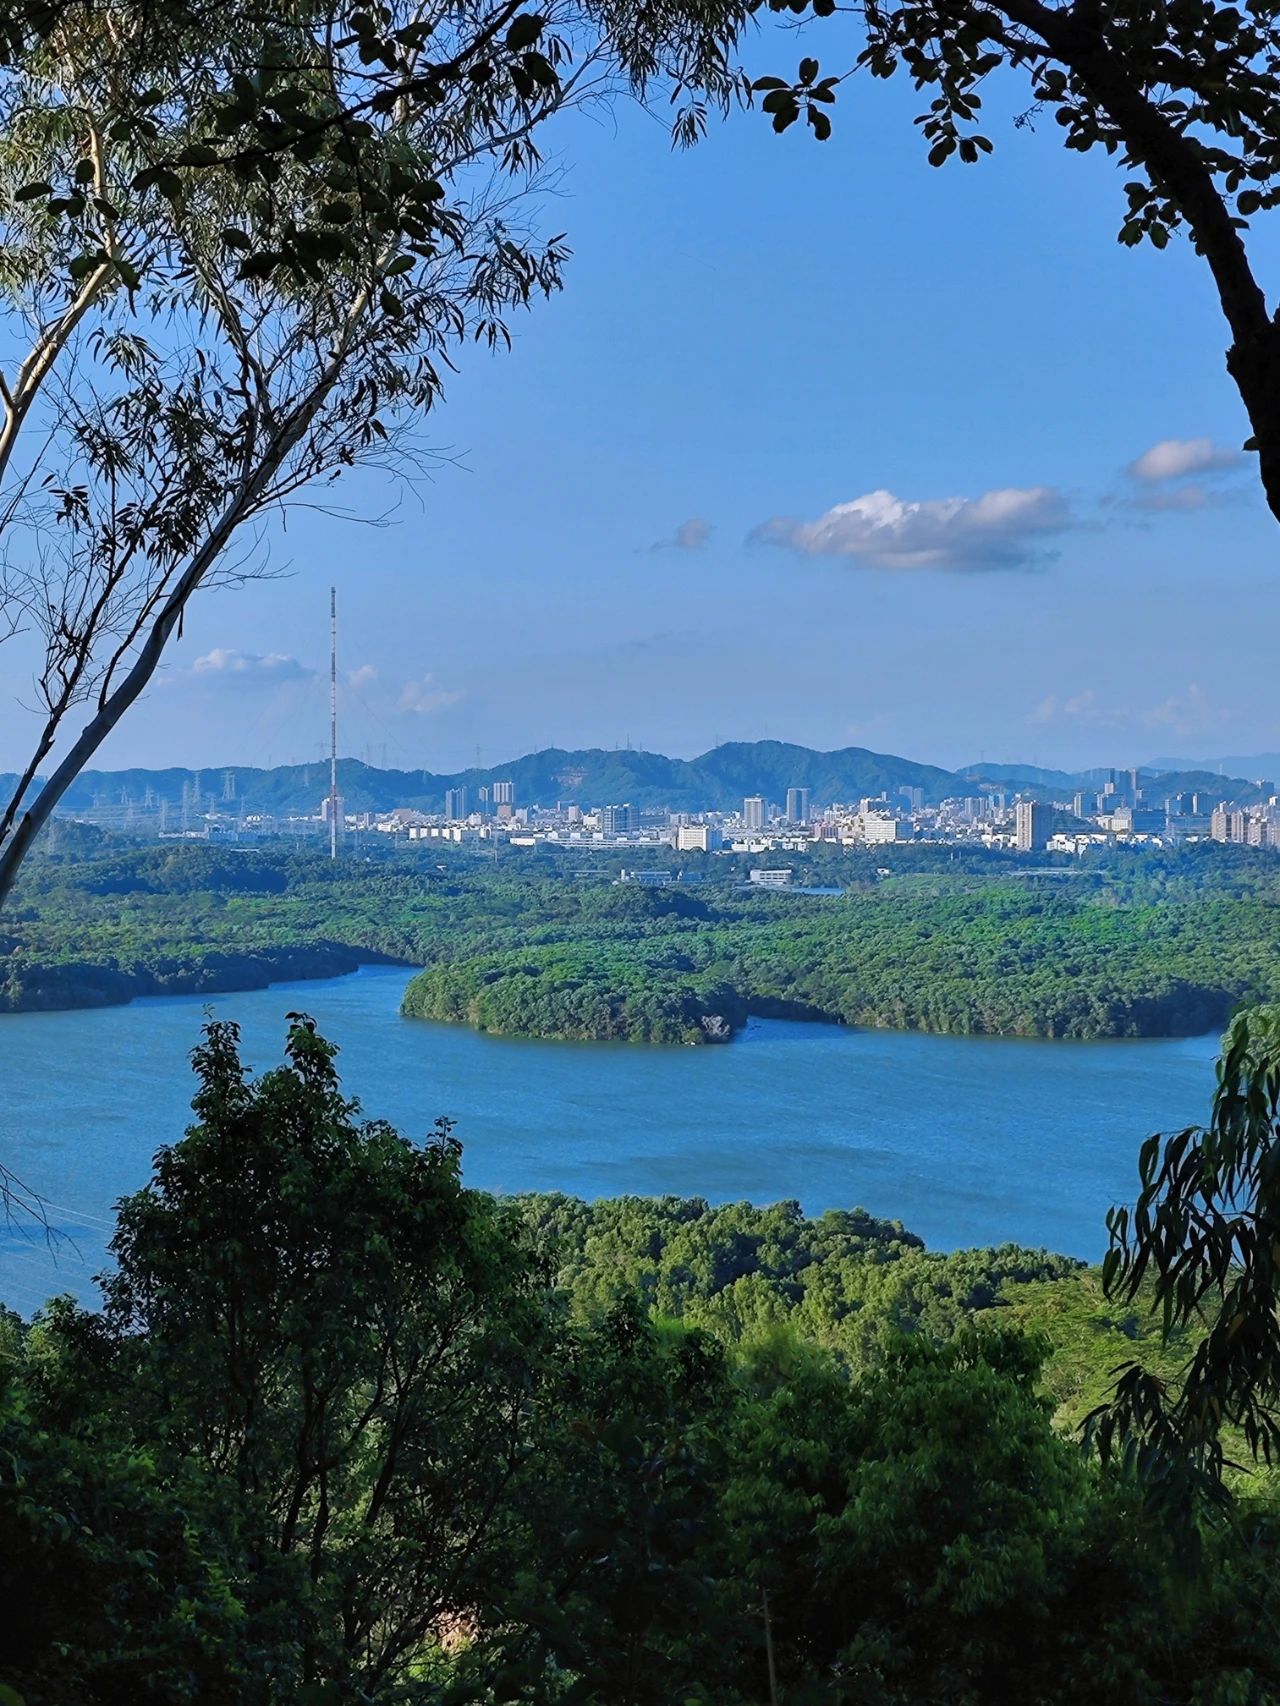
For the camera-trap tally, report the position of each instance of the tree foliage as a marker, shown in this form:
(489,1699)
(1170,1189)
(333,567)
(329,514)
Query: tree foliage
(242,247)
(1147,945)
(345,1431)
(1204,1240)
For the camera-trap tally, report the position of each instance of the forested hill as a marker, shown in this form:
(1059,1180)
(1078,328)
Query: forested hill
(718,780)
(1142,944)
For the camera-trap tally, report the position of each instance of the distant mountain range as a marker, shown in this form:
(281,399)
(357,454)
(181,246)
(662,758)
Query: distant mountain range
(1263,766)
(718,780)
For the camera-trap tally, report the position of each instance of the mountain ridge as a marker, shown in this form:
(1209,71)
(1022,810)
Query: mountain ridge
(718,779)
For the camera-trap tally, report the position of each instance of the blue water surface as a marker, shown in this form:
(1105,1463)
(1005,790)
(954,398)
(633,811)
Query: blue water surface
(966,1140)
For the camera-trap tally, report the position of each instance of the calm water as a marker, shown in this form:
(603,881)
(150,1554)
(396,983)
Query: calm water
(966,1140)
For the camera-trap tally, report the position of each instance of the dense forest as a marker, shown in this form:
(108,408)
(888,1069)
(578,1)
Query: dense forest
(345,1431)
(1136,944)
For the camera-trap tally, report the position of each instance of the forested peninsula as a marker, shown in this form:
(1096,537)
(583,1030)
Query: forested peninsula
(1133,944)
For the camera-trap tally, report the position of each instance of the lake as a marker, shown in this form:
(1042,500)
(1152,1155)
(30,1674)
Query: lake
(966,1140)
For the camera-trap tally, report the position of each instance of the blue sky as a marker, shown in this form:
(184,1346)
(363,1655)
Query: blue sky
(710,493)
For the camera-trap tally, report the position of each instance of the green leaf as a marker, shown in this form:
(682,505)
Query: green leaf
(32,192)
(808,70)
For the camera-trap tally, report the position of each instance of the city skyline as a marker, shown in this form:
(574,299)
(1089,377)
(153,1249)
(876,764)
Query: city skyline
(1130,806)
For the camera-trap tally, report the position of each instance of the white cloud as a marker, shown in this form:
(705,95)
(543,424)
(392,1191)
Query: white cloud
(422,698)
(1176,458)
(691,535)
(363,676)
(241,670)
(1082,706)
(1189,712)
(1185,713)
(1002,529)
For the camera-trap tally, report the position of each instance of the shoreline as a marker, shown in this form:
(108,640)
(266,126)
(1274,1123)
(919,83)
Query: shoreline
(232,974)
(78,988)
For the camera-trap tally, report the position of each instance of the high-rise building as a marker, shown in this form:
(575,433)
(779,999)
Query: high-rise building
(1220,824)
(1033,825)
(617,820)
(455,804)
(797,805)
(753,811)
(697,838)
(503,793)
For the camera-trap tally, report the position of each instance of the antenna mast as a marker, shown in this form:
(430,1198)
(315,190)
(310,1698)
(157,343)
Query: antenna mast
(333,722)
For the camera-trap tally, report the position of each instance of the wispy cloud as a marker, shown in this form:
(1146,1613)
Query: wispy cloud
(1177,458)
(1191,711)
(241,670)
(1186,713)
(362,677)
(1078,707)
(1181,500)
(422,698)
(1000,530)
(691,535)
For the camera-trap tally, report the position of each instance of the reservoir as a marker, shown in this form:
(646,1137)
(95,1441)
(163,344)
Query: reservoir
(966,1140)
